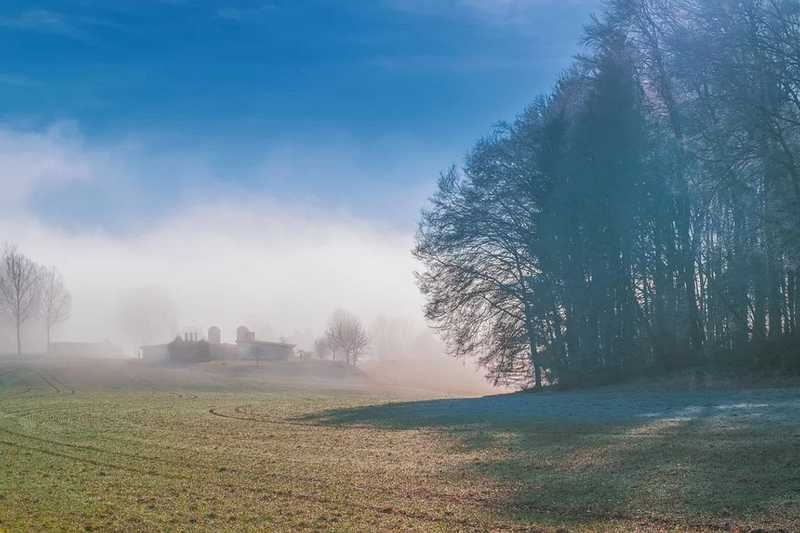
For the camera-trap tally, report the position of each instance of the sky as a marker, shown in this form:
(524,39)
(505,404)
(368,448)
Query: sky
(135,133)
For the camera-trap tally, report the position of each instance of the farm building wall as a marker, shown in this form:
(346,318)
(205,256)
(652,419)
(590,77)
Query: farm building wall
(181,351)
(156,353)
(268,351)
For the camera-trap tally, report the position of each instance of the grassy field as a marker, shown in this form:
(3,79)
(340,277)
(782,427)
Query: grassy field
(117,446)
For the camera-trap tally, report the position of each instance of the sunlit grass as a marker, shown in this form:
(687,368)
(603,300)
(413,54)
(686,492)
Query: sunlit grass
(280,458)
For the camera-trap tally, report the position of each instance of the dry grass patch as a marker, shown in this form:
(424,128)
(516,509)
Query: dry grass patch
(226,455)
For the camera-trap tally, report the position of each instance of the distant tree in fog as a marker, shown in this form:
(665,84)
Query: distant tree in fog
(19,288)
(56,301)
(147,315)
(321,348)
(347,335)
(333,334)
(390,337)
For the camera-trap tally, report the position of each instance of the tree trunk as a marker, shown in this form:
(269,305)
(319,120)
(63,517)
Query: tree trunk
(19,337)
(791,302)
(537,370)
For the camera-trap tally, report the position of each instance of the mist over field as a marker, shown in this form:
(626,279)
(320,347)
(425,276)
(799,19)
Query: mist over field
(227,264)
(400,265)
(215,257)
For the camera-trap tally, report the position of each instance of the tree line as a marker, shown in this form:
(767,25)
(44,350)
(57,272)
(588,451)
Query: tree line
(29,290)
(643,217)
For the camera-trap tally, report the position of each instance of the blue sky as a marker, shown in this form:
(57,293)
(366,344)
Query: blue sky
(347,106)
(261,162)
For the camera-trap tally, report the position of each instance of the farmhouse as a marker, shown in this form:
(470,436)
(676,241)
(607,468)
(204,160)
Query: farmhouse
(154,353)
(192,349)
(250,348)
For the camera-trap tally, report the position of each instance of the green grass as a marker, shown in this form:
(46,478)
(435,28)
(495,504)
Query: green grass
(125,448)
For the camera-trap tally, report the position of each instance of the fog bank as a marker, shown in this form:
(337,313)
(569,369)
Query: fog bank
(209,254)
(226,264)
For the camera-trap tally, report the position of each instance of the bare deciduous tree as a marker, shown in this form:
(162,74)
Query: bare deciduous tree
(19,288)
(390,337)
(345,333)
(321,348)
(641,218)
(56,301)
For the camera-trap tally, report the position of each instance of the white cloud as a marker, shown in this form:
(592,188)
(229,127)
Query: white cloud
(43,21)
(30,160)
(64,24)
(225,256)
(227,262)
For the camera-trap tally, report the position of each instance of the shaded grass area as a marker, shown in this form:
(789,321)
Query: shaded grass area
(710,460)
(215,456)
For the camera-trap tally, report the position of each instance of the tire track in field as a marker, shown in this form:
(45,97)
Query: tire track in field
(51,381)
(423,493)
(243,415)
(157,389)
(17,395)
(262,419)
(94,462)
(320,483)
(29,387)
(182,464)
(211,469)
(52,384)
(379,509)
(46,380)
(63,385)
(38,410)
(285,494)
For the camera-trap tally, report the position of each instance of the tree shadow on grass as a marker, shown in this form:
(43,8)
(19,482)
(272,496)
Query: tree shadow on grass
(581,408)
(661,460)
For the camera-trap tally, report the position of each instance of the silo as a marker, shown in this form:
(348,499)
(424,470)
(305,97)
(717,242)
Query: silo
(214,335)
